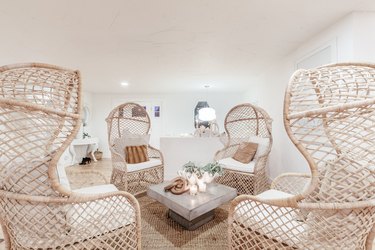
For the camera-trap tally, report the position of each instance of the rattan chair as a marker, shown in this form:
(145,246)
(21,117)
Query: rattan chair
(246,123)
(135,178)
(329,114)
(39,117)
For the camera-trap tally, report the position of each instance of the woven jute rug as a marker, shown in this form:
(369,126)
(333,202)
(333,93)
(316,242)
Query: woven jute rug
(159,231)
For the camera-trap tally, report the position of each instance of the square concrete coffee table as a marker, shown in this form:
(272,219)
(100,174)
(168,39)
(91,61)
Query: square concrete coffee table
(192,211)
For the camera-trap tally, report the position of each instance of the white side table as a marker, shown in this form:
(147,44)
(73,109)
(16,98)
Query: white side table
(91,143)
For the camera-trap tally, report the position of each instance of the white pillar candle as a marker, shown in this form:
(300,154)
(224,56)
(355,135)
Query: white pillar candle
(202,187)
(193,189)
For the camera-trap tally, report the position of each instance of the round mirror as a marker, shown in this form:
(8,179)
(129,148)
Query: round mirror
(85,115)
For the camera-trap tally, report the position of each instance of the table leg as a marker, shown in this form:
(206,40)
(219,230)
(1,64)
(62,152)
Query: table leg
(193,224)
(92,148)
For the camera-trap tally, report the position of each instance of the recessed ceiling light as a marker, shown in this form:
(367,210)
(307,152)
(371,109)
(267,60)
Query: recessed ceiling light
(124,84)
(206,86)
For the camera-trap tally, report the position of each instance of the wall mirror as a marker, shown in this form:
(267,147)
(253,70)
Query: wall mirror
(85,115)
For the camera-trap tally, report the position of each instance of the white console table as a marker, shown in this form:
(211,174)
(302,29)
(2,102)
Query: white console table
(91,144)
(178,150)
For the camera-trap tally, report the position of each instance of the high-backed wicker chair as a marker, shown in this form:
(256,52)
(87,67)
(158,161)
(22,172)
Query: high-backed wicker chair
(246,123)
(131,118)
(39,117)
(329,114)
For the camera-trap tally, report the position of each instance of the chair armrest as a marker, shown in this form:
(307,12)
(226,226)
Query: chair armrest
(226,152)
(155,153)
(292,183)
(82,220)
(118,161)
(116,156)
(322,225)
(250,217)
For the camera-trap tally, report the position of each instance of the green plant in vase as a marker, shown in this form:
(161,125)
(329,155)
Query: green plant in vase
(211,170)
(190,168)
(190,172)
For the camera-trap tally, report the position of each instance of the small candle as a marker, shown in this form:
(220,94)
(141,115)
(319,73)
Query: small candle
(202,187)
(193,189)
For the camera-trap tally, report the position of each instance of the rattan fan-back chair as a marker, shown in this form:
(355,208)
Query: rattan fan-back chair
(39,117)
(132,119)
(329,114)
(246,123)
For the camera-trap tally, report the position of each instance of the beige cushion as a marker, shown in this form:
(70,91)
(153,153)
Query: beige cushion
(232,164)
(147,164)
(245,152)
(136,154)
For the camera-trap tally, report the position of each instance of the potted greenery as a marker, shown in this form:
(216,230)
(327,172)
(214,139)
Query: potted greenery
(194,173)
(190,168)
(191,172)
(211,171)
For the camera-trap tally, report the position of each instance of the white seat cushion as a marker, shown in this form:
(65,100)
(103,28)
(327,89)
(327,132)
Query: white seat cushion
(232,164)
(61,174)
(99,189)
(143,165)
(274,194)
(81,218)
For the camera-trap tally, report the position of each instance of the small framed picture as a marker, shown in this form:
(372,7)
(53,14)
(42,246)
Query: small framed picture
(156,111)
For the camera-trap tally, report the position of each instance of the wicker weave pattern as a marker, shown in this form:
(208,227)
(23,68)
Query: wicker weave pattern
(133,118)
(48,225)
(25,136)
(39,117)
(329,114)
(242,123)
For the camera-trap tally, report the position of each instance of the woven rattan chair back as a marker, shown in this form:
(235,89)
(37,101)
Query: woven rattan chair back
(245,121)
(129,117)
(330,116)
(39,116)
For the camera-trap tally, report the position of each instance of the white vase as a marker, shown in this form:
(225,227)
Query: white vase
(192,179)
(208,178)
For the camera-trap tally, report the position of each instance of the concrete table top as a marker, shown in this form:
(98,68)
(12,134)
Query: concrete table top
(192,206)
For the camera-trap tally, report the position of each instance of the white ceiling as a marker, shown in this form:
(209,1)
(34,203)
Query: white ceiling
(163,45)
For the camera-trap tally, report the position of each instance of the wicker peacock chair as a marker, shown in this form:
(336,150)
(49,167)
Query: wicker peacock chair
(246,123)
(329,114)
(39,117)
(131,119)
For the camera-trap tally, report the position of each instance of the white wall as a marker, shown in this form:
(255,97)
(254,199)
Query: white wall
(353,39)
(272,84)
(177,111)
(364,37)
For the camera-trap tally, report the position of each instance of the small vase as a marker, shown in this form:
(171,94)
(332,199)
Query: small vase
(192,179)
(208,178)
